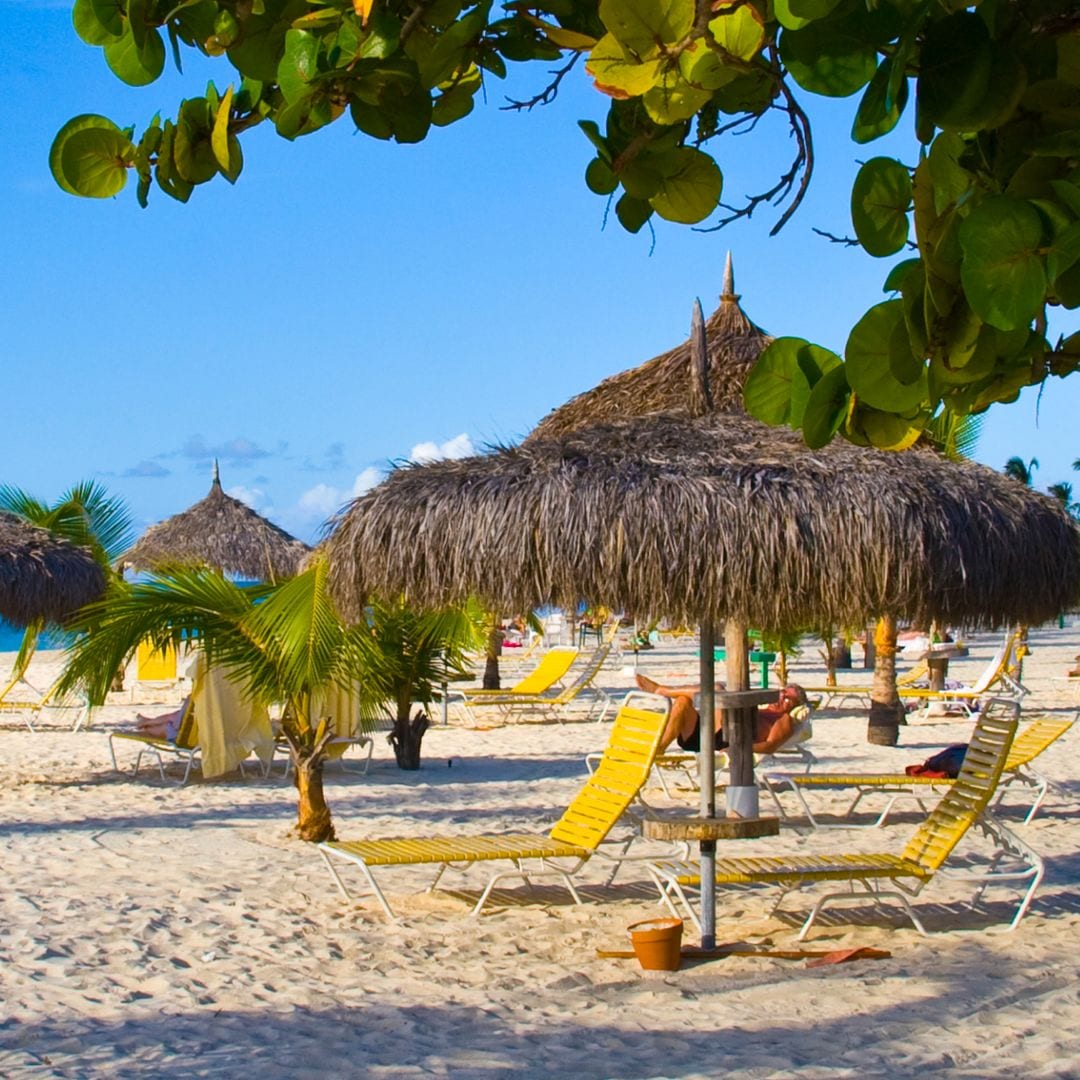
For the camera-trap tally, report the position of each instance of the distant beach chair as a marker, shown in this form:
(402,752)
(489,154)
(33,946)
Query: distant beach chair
(548,673)
(556,706)
(1030,742)
(832,696)
(576,836)
(964,805)
(30,703)
(996,678)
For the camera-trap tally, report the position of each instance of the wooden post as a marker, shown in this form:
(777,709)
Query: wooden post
(707,776)
(739,724)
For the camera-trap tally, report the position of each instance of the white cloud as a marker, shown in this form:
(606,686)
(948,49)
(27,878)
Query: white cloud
(251,496)
(322,500)
(458,447)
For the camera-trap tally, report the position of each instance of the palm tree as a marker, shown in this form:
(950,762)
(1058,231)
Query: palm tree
(1019,470)
(282,642)
(412,655)
(87,516)
(1063,493)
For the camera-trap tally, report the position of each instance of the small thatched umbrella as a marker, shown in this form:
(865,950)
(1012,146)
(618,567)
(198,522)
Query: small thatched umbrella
(220,532)
(42,576)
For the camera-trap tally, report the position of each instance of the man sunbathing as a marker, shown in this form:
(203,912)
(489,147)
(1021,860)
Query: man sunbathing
(774,726)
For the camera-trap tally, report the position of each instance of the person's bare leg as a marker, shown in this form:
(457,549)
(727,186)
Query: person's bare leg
(682,719)
(650,686)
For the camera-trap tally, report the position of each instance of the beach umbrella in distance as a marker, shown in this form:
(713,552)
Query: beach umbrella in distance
(703,514)
(223,533)
(42,576)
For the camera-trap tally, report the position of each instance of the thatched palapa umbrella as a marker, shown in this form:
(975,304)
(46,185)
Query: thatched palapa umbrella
(220,532)
(42,576)
(712,517)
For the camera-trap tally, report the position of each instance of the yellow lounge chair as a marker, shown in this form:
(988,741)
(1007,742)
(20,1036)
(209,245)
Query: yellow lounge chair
(554,706)
(964,805)
(185,746)
(219,728)
(576,836)
(836,695)
(548,674)
(996,679)
(1029,743)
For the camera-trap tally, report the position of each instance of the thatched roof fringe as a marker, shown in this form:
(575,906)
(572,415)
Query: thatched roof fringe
(41,576)
(714,518)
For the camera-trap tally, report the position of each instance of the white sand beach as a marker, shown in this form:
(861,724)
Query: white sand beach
(149,929)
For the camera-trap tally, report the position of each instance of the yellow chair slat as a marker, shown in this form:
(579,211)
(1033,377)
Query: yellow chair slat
(402,852)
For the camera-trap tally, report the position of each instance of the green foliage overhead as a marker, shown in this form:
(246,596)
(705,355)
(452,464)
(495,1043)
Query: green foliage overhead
(990,208)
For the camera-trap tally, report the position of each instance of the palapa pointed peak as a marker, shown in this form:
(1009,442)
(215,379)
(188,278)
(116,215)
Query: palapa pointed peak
(728,295)
(701,401)
(216,482)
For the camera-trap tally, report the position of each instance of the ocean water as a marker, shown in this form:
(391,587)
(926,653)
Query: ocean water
(11,638)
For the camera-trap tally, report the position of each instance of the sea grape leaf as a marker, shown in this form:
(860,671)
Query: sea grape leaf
(778,387)
(826,408)
(880,107)
(599,177)
(642,25)
(618,73)
(739,31)
(894,282)
(674,99)
(868,362)
(954,70)
(192,151)
(134,65)
(811,9)
(690,185)
(632,213)
(825,61)
(94,161)
(299,64)
(812,362)
(768,388)
(880,201)
(704,67)
(786,17)
(885,430)
(1002,272)
(951,180)
(78,123)
(96,27)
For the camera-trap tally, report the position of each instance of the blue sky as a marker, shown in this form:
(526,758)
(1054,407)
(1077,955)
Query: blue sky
(349,303)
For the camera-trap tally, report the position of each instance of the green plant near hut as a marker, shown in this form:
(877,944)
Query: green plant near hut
(283,643)
(411,655)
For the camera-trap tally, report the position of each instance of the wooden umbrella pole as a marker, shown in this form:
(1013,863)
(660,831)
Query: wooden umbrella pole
(739,725)
(707,772)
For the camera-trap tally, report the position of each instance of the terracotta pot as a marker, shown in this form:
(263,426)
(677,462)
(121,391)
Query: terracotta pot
(658,943)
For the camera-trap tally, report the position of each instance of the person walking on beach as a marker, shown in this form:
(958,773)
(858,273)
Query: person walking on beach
(774,725)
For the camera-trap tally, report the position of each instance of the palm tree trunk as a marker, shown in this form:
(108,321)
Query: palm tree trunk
(313,821)
(408,734)
(491,657)
(886,709)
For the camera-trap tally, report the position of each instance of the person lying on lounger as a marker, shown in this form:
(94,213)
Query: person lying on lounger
(775,723)
(165,726)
